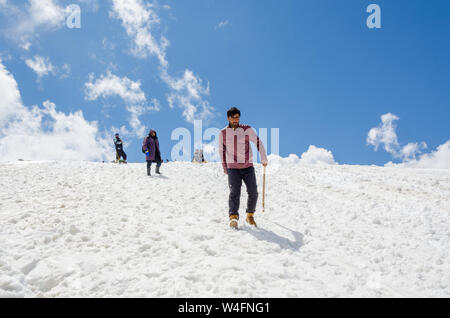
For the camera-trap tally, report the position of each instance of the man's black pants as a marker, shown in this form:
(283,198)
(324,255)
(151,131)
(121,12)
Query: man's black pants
(120,153)
(235,178)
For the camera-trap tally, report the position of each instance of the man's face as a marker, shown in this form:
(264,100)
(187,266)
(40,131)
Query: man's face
(234,120)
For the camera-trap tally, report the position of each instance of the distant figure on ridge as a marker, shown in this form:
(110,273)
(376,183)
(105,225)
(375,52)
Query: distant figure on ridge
(198,156)
(119,149)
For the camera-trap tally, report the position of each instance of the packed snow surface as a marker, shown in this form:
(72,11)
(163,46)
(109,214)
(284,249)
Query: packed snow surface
(106,230)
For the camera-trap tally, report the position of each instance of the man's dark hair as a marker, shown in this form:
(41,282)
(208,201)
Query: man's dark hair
(233,111)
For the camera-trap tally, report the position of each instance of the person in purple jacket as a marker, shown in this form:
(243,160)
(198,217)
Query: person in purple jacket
(236,155)
(150,147)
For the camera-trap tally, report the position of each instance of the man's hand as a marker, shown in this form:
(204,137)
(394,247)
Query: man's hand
(225,171)
(264,164)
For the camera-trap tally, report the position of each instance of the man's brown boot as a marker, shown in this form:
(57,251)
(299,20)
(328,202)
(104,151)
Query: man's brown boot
(251,220)
(234,221)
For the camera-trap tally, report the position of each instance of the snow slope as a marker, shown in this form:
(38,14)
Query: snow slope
(93,229)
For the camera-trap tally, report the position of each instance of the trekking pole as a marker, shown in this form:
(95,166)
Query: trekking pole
(264,188)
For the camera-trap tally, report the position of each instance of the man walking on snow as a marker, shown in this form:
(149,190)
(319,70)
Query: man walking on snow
(236,155)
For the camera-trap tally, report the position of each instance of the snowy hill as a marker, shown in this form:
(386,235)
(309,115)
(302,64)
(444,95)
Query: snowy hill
(93,229)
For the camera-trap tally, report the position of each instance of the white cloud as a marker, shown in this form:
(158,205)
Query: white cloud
(187,92)
(107,45)
(135,122)
(111,85)
(385,135)
(46,13)
(5,56)
(313,156)
(65,71)
(412,149)
(43,133)
(316,155)
(275,159)
(32,18)
(40,65)
(25,43)
(10,100)
(43,67)
(136,111)
(129,91)
(222,24)
(439,159)
(138,19)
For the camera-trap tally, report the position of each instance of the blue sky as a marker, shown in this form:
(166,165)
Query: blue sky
(311,68)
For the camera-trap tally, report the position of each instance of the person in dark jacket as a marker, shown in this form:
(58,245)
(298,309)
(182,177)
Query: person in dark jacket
(152,153)
(119,148)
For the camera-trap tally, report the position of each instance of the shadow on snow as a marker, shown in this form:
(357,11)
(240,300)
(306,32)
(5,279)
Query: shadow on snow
(271,237)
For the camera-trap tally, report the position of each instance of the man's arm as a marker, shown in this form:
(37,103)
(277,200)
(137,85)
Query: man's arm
(259,145)
(222,152)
